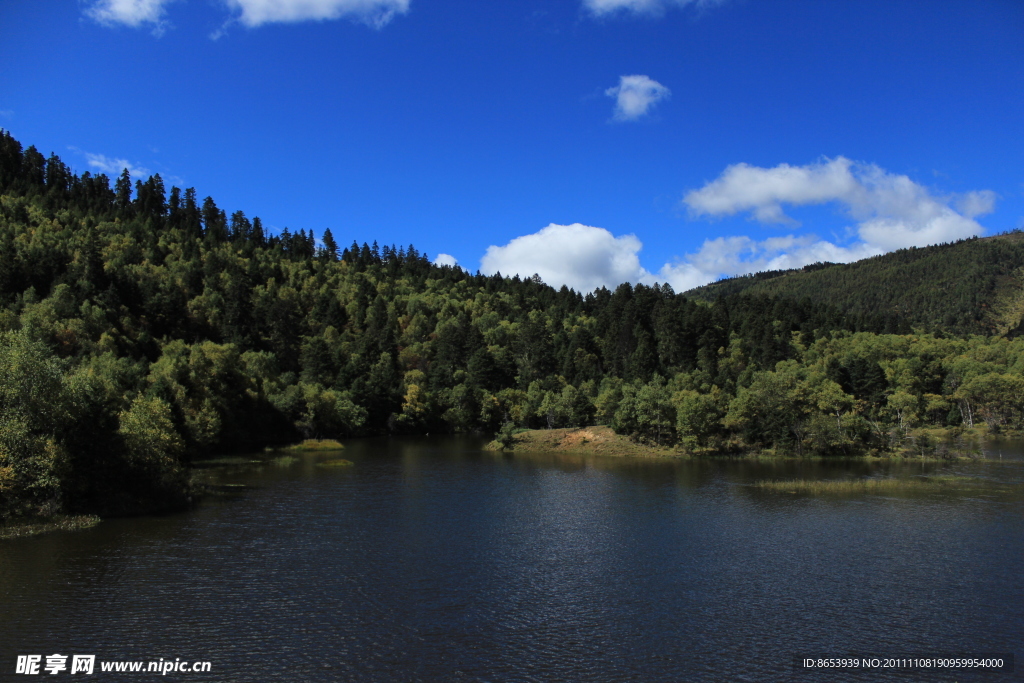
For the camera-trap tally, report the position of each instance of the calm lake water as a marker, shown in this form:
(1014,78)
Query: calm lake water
(432,560)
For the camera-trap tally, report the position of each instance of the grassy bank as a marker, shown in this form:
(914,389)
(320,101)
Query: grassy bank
(927,444)
(599,440)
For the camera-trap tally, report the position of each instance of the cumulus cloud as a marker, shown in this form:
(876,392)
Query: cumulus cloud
(376,13)
(579,256)
(251,13)
(134,13)
(114,167)
(445,260)
(635,95)
(892,211)
(586,258)
(972,204)
(741,255)
(648,7)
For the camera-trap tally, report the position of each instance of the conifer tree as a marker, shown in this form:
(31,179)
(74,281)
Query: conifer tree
(330,249)
(123,192)
(259,238)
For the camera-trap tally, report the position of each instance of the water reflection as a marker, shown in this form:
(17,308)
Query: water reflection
(1003,448)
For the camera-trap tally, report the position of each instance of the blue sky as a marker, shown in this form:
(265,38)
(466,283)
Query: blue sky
(590,141)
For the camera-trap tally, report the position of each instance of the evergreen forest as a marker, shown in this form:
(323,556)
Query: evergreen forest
(142,328)
(974,286)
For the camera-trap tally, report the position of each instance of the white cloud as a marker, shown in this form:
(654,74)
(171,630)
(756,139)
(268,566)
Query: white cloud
(586,258)
(579,256)
(251,13)
(635,95)
(114,167)
(376,13)
(648,7)
(740,255)
(972,204)
(134,13)
(445,260)
(892,210)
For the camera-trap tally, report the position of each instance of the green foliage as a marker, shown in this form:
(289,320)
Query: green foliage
(506,436)
(37,416)
(567,407)
(646,412)
(328,412)
(793,407)
(699,417)
(64,448)
(153,452)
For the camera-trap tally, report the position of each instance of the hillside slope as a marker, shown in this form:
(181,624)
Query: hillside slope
(974,286)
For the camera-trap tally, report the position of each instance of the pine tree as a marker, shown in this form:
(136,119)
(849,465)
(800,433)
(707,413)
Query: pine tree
(123,192)
(33,169)
(214,222)
(241,228)
(193,219)
(174,213)
(259,238)
(330,249)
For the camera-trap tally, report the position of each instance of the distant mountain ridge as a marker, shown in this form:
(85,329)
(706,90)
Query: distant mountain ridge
(974,286)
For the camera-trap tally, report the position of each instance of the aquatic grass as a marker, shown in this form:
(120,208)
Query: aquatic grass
(317,445)
(201,487)
(285,461)
(43,526)
(855,486)
(226,460)
(337,462)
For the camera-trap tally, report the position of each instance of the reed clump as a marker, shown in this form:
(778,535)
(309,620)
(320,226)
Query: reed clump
(337,462)
(855,486)
(43,526)
(317,445)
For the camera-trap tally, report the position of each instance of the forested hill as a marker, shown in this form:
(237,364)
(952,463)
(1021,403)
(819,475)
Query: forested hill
(141,327)
(973,286)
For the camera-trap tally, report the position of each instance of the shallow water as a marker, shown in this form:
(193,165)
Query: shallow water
(432,560)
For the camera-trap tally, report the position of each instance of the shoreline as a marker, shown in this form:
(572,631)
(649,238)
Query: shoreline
(602,440)
(599,440)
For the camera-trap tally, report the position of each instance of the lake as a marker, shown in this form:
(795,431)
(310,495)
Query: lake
(430,559)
